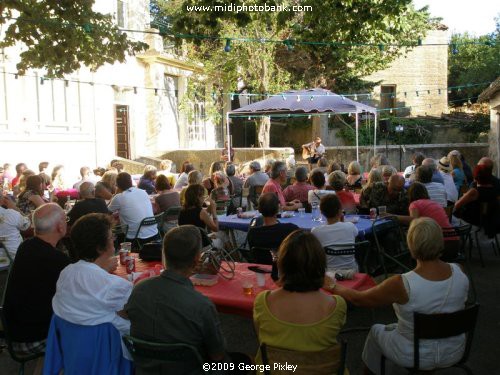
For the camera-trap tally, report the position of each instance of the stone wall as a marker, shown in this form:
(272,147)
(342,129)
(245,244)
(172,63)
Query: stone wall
(203,158)
(345,154)
(494,133)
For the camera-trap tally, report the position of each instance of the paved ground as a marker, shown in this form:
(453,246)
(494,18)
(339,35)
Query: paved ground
(485,354)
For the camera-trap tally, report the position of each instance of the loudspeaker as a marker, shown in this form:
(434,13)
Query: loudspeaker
(384,125)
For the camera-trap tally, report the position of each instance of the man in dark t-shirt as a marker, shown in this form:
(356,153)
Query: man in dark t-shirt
(272,233)
(32,281)
(88,205)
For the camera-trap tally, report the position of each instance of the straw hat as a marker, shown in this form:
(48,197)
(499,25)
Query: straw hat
(444,164)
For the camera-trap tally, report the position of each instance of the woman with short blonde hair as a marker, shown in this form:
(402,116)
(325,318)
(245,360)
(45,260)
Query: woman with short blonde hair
(432,287)
(354,178)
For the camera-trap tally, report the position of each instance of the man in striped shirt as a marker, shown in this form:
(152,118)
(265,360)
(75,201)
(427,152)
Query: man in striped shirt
(436,190)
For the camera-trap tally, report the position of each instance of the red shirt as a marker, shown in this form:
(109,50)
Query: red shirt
(15,181)
(346,198)
(298,191)
(272,186)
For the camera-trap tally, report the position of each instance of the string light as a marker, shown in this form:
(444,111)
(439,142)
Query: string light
(449,89)
(227,47)
(393,109)
(164,30)
(135,90)
(156,92)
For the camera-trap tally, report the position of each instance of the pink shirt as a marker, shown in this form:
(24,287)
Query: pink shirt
(298,191)
(432,209)
(272,186)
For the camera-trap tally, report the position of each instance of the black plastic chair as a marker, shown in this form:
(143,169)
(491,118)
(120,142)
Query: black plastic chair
(261,255)
(441,326)
(7,254)
(391,244)
(243,250)
(148,352)
(323,362)
(488,215)
(463,231)
(170,218)
(358,249)
(254,193)
(119,232)
(22,359)
(148,221)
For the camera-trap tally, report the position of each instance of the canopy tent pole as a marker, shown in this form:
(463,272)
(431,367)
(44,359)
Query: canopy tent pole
(228,138)
(357,137)
(375,134)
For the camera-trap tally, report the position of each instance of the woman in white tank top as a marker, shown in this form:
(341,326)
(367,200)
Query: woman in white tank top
(432,287)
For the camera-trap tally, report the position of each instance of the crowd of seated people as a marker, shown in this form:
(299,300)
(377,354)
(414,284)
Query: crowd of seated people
(417,200)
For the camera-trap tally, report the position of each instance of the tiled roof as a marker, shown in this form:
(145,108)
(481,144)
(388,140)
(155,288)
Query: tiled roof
(489,92)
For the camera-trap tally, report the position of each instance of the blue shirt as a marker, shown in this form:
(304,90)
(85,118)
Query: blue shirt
(458,178)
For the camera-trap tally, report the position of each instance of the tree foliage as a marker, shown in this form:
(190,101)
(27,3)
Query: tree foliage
(476,60)
(350,24)
(268,67)
(63,35)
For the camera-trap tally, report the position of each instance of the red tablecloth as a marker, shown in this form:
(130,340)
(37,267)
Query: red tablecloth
(227,295)
(72,193)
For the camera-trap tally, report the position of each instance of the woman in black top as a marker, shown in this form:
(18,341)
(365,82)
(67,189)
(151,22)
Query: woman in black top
(193,213)
(481,197)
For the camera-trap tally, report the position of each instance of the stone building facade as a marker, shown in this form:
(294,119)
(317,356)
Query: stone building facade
(88,118)
(417,80)
(492,96)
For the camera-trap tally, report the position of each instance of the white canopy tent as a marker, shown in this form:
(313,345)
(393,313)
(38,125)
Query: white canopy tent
(310,101)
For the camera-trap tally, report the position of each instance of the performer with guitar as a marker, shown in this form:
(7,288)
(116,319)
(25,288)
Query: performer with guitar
(313,151)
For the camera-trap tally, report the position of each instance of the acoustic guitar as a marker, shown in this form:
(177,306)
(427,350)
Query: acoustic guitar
(307,152)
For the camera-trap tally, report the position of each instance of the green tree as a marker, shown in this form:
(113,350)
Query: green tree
(357,27)
(473,60)
(63,35)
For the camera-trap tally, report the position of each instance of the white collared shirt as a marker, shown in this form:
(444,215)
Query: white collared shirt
(11,223)
(134,205)
(88,295)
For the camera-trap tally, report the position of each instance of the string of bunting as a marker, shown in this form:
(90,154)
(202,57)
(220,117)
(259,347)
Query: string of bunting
(355,96)
(328,114)
(233,95)
(164,30)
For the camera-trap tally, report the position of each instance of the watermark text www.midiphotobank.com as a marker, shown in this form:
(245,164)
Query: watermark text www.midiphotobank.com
(244,8)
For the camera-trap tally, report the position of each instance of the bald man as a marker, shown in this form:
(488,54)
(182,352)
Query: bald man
(88,204)
(33,277)
(397,202)
(436,176)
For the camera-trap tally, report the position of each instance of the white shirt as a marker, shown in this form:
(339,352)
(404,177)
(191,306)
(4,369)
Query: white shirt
(88,295)
(314,196)
(437,193)
(11,223)
(449,186)
(181,181)
(338,233)
(134,205)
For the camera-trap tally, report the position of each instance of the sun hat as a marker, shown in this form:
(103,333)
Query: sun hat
(444,164)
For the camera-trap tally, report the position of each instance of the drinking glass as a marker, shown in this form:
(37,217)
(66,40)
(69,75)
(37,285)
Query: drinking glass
(315,212)
(382,210)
